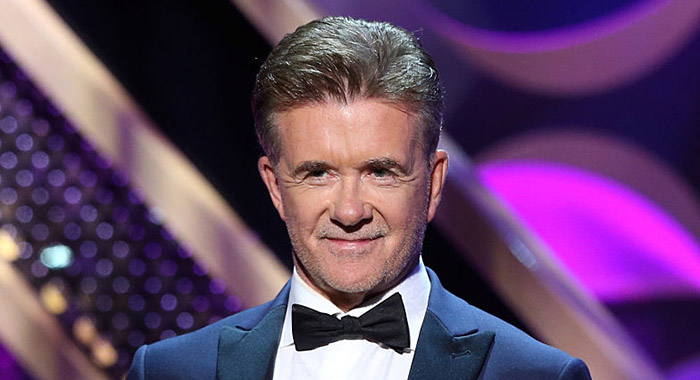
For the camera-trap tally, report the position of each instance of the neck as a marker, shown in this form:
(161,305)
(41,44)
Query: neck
(347,301)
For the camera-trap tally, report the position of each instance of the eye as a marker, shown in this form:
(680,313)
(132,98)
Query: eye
(318,173)
(317,177)
(381,172)
(382,176)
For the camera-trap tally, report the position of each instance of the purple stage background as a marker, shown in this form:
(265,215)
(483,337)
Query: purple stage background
(579,75)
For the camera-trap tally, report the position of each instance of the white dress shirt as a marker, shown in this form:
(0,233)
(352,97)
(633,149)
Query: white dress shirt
(356,358)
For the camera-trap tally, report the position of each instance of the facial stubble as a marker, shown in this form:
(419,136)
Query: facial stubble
(395,266)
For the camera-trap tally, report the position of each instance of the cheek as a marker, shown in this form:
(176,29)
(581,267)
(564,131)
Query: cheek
(302,209)
(409,203)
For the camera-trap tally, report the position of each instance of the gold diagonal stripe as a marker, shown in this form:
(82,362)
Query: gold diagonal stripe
(50,53)
(530,280)
(35,337)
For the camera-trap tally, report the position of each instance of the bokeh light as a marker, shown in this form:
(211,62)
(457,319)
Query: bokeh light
(100,259)
(57,257)
(9,250)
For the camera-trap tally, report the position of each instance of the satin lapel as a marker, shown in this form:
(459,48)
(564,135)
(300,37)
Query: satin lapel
(439,355)
(250,354)
(450,345)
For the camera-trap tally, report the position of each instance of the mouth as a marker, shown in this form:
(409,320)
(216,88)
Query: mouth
(351,244)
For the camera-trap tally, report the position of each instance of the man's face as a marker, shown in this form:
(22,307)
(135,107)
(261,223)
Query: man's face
(355,190)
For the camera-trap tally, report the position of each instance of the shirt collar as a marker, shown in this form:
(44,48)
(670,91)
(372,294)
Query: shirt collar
(414,290)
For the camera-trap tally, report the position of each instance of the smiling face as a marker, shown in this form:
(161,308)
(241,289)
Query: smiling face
(356,192)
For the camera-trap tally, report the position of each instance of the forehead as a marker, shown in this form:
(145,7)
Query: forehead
(361,129)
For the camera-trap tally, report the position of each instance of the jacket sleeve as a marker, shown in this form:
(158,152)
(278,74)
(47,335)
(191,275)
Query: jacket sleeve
(575,369)
(138,365)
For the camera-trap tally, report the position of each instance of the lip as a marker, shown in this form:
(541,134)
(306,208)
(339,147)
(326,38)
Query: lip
(354,244)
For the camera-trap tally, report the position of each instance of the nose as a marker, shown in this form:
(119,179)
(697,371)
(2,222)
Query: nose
(349,207)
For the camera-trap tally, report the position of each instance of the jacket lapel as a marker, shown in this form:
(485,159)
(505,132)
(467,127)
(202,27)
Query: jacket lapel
(247,351)
(440,355)
(450,345)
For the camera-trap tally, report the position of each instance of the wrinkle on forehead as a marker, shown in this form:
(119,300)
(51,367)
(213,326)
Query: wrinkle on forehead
(335,130)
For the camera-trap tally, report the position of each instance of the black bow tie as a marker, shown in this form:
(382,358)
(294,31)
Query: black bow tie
(385,323)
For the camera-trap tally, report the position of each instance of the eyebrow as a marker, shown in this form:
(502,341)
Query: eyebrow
(311,166)
(374,163)
(386,163)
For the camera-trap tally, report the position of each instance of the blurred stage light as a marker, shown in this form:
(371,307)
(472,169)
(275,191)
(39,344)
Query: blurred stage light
(616,242)
(9,250)
(57,256)
(98,257)
(583,58)
(103,353)
(52,299)
(84,330)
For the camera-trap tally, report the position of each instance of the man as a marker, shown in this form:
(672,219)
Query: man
(348,113)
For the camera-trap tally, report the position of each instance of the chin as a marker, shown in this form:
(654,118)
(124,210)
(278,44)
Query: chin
(353,284)
(366,280)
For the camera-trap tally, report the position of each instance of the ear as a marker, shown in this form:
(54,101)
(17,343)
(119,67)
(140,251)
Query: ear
(269,176)
(438,175)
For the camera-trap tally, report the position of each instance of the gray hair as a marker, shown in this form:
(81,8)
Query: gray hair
(344,59)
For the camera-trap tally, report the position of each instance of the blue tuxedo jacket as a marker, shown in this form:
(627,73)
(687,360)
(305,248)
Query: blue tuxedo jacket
(457,341)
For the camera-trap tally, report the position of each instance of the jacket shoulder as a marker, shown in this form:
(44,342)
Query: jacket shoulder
(514,353)
(192,355)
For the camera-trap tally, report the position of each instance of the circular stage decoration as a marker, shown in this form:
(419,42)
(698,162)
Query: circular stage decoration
(622,221)
(618,244)
(618,159)
(583,58)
